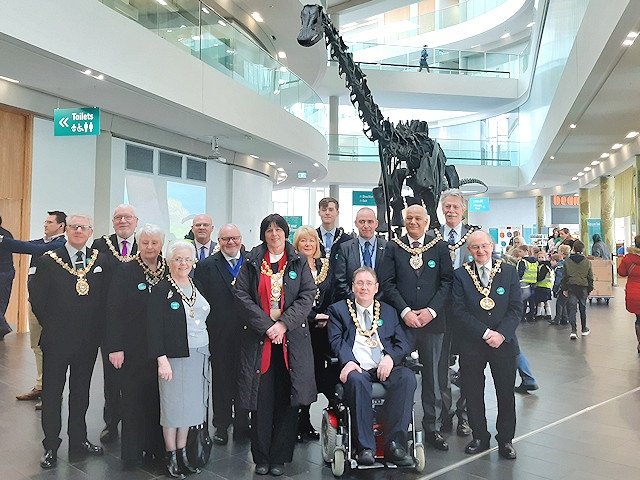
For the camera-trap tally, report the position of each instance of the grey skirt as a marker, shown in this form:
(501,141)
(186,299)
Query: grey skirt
(183,400)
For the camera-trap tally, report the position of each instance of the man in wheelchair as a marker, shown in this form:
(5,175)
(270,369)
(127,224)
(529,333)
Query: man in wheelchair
(370,345)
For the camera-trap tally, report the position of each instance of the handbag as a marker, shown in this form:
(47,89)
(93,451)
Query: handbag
(199,443)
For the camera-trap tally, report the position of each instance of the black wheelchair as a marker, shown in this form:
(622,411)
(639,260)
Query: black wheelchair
(336,438)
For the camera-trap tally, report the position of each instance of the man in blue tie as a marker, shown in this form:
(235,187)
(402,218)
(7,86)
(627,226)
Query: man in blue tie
(202,228)
(370,344)
(330,235)
(364,251)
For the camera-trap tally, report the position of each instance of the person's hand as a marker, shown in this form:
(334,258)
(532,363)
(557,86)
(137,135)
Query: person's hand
(494,339)
(424,316)
(347,369)
(384,367)
(164,368)
(116,359)
(321,320)
(565,293)
(411,320)
(276,332)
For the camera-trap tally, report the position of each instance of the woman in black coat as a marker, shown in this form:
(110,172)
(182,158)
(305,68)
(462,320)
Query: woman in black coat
(126,343)
(275,292)
(306,241)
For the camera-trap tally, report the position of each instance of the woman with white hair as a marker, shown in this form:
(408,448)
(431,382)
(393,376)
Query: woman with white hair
(126,343)
(178,339)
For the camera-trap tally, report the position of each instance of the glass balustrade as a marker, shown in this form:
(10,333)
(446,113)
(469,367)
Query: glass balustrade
(492,152)
(195,28)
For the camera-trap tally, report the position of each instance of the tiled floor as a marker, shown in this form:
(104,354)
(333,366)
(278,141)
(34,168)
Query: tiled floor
(583,423)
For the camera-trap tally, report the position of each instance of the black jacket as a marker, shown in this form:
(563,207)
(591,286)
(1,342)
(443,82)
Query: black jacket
(299,290)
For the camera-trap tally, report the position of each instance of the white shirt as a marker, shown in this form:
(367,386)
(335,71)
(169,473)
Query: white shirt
(458,235)
(129,240)
(73,251)
(207,248)
(360,350)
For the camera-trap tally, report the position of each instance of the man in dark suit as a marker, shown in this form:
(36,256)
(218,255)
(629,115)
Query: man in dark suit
(365,251)
(455,233)
(367,338)
(216,275)
(54,228)
(330,236)
(487,310)
(118,247)
(7,272)
(68,294)
(202,228)
(416,280)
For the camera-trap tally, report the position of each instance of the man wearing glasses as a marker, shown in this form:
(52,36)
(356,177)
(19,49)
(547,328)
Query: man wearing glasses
(202,228)
(366,336)
(67,293)
(216,275)
(54,228)
(118,247)
(486,312)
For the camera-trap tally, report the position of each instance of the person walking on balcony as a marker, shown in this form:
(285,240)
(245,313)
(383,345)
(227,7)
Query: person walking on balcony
(423,59)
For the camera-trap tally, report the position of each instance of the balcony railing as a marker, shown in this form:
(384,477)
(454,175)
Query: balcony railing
(196,29)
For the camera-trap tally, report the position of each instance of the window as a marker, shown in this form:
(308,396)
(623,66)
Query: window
(169,164)
(138,159)
(196,170)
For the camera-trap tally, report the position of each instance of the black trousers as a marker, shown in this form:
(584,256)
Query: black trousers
(577,300)
(224,379)
(6,284)
(112,413)
(398,404)
(444,382)
(141,430)
(54,376)
(503,371)
(274,424)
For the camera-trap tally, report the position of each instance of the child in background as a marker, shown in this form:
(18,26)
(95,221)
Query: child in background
(527,272)
(543,286)
(561,317)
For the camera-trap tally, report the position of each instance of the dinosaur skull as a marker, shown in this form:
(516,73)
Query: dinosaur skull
(311,31)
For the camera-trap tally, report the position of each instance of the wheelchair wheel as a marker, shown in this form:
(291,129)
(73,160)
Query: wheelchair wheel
(337,467)
(327,437)
(420,458)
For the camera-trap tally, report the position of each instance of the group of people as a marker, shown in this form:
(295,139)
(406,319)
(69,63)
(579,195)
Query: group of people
(255,328)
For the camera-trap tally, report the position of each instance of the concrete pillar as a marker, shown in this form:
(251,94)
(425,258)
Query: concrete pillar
(583,196)
(334,103)
(637,193)
(607,210)
(102,194)
(334,191)
(539,213)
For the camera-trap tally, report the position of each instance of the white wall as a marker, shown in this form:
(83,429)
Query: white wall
(250,203)
(503,212)
(63,176)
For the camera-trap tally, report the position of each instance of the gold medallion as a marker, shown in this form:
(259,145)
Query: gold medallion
(371,342)
(82,286)
(416,262)
(487,303)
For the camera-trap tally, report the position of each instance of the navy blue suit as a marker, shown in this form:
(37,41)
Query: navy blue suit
(399,386)
(471,322)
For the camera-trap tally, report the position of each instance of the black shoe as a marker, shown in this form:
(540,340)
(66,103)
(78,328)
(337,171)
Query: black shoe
(49,459)
(183,462)
(221,437)
(507,451)
(436,440)
(365,457)
(277,469)
(396,454)
(463,430)
(171,464)
(522,388)
(476,446)
(109,434)
(86,447)
(309,433)
(262,469)
(5,332)
(554,321)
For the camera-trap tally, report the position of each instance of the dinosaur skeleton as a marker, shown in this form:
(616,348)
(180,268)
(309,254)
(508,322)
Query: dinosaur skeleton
(407,154)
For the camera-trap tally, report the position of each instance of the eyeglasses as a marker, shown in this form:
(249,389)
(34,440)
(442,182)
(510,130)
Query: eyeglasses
(84,228)
(484,246)
(183,260)
(119,218)
(200,225)
(230,239)
(360,284)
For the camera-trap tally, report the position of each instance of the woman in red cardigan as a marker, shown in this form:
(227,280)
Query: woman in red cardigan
(627,268)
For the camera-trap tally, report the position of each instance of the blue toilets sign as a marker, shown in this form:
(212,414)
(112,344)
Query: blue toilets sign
(479,204)
(71,122)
